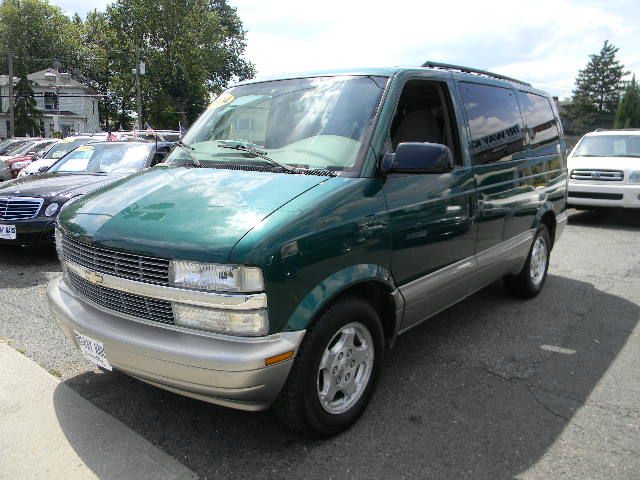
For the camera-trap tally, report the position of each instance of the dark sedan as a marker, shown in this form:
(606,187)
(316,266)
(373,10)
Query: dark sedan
(29,205)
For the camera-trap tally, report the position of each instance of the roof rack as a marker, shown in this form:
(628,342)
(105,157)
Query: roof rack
(477,71)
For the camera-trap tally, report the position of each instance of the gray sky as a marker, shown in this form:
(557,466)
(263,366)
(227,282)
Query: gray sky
(544,42)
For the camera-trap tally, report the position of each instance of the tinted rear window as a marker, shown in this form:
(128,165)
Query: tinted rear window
(495,123)
(541,124)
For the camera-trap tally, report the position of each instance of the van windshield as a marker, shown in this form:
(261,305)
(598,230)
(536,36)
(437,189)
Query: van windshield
(609,146)
(312,123)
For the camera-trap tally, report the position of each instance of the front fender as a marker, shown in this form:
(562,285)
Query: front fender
(331,287)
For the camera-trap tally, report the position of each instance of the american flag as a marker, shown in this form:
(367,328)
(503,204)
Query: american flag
(150,130)
(111,137)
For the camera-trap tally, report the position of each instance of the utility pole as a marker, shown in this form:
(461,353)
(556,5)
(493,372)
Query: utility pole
(10,85)
(138,94)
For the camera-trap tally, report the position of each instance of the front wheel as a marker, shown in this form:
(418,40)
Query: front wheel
(529,282)
(336,370)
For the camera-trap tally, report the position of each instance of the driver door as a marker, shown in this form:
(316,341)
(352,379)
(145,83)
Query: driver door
(431,215)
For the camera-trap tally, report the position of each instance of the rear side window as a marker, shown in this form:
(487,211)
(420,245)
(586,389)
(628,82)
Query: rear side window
(495,123)
(541,123)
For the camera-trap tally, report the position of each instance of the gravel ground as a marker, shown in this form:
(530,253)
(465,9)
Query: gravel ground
(492,388)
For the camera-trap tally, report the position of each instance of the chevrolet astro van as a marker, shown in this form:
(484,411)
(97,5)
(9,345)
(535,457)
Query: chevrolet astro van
(305,222)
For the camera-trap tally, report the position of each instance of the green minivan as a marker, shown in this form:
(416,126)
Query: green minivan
(302,224)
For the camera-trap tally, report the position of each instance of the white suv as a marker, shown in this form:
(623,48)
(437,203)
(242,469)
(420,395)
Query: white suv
(604,170)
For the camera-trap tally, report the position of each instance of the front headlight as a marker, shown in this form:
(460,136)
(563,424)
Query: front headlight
(237,322)
(51,209)
(19,165)
(216,277)
(634,177)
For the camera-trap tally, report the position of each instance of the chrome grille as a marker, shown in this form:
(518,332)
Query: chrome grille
(127,303)
(19,208)
(117,263)
(598,175)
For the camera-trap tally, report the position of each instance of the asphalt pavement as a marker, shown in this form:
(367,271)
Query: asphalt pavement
(492,388)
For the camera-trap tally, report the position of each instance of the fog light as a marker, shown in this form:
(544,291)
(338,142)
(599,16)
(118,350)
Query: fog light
(250,322)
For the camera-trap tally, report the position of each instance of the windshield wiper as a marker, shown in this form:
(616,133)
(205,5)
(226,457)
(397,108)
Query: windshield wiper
(189,149)
(254,152)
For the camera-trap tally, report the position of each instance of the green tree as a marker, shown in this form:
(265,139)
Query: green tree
(628,114)
(598,89)
(28,117)
(38,33)
(188,59)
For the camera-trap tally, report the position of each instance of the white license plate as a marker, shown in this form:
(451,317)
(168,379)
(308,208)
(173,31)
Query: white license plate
(93,350)
(8,232)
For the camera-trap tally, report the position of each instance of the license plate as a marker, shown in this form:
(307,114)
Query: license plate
(8,232)
(93,350)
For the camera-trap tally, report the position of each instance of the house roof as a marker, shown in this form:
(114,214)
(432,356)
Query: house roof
(50,78)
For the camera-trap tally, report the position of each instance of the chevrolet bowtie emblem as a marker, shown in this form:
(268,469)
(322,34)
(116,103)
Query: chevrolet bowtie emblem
(93,277)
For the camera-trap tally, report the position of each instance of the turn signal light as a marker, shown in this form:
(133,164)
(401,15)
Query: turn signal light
(279,358)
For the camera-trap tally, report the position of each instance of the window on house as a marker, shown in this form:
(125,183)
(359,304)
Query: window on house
(50,101)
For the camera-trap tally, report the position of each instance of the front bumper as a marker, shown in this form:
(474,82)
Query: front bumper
(219,369)
(598,195)
(37,230)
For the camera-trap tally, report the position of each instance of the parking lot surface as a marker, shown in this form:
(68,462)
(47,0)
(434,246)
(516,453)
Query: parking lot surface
(492,388)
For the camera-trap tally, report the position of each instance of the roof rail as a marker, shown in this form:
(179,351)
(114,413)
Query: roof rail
(477,71)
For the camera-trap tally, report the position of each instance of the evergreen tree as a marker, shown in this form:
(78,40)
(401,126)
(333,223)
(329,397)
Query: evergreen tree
(598,89)
(628,114)
(28,117)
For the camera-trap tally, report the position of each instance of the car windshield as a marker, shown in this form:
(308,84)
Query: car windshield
(316,123)
(104,158)
(609,146)
(59,150)
(10,145)
(19,148)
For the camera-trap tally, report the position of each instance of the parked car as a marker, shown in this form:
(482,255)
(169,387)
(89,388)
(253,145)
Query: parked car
(41,164)
(12,143)
(10,150)
(29,206)
(17,163)
(17,148)
(305,223)
(151,136)
(605,170)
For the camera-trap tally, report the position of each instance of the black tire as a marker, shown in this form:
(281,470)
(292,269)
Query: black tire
(298,404)
(523,285)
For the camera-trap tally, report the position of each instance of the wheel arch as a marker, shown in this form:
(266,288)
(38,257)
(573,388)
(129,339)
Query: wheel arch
(371,282)
(546,216)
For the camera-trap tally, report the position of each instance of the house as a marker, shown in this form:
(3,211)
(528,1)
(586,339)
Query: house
(67,106)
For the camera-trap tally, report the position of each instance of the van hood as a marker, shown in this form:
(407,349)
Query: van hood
(55,185)
(185,213)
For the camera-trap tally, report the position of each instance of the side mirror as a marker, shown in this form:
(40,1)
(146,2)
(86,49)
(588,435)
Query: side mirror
(43,169)
(415,157)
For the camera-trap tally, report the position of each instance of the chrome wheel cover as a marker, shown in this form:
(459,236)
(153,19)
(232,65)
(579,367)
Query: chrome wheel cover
(539,259)
(345,368)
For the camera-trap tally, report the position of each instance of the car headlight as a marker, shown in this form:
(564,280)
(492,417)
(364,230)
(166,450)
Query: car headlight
(238,322)
(20,165)
(216,277)
(634,177)
(51,210)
